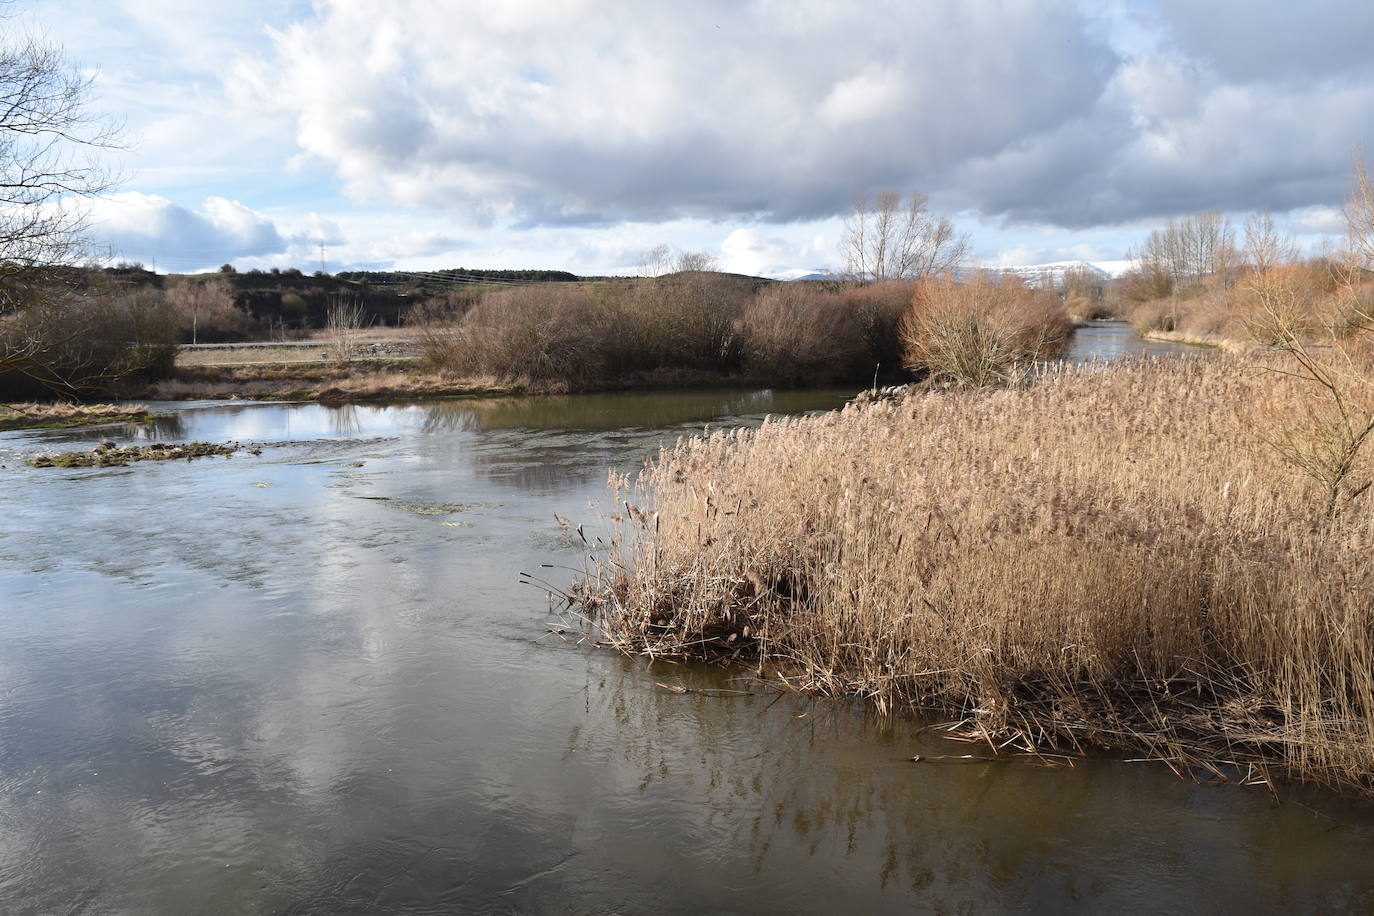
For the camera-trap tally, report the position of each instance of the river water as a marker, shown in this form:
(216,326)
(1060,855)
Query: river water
(310,681)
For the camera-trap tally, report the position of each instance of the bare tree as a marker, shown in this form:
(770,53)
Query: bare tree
(1329,441)
(1266,246)
(1189,249)
(1359,214)
(656,261)
(888,238)
(699,261)
(663,259)
(344,328)
(49,168)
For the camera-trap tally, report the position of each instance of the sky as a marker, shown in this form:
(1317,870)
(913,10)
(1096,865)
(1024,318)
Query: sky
(576,135)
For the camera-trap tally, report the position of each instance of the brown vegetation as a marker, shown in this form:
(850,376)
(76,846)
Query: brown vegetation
(360,380)
(84,342)
(1105,557)
(206,310)
(797,334)
(982,332)
(719,327)
(53,416)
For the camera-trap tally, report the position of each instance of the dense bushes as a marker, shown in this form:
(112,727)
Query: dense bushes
(797,334)
(1323,300)
(980,332)
(75,343)
(703,323)
(580,335)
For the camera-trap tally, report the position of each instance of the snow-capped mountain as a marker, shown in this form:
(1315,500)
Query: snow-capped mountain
(1034,274)
(802,273)
(1055,271)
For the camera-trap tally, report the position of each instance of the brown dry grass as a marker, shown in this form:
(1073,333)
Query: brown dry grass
(360,380)
(33,416)
(247,356)
(1107,557)
(1222,310)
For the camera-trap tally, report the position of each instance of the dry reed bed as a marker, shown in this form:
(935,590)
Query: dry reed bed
(1107,557)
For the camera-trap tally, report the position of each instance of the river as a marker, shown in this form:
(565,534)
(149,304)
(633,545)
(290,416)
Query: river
(311,681)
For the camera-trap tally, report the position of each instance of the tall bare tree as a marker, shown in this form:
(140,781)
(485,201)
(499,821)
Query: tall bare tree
(887,237)
(50,143)
(1267,246)
(1189,249)
(1359,214)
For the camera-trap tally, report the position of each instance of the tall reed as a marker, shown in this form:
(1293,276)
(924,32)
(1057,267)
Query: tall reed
(1110,556)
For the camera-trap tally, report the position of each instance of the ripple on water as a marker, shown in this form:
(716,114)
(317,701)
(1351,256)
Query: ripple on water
(219,696)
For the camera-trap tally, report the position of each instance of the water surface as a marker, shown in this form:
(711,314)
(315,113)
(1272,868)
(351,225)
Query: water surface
(1115,339)
(310,682)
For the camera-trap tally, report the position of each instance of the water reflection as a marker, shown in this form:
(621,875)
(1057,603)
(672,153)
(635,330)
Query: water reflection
(1098,340)
(310,681)
(791,787)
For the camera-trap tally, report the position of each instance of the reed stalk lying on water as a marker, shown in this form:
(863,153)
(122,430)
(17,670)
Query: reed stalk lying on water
(1109,556)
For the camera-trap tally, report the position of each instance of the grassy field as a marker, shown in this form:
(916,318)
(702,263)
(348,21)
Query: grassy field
(1110,557)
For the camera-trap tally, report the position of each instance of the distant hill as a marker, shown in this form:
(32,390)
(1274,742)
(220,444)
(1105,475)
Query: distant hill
(421,278)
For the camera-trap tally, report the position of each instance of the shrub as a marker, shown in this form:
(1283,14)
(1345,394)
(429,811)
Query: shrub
(435,324)
(585,335)
(1155,315)
(680,321)
(207,311)
(540,333)
(980,332)
(75,343)
(880,309)
(794,334)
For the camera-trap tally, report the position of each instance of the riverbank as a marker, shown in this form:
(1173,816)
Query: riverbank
(364,380)
(324,381)
(1114,558)
(63,415)
(1198,339)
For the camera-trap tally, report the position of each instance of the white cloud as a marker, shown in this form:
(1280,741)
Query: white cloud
(868,95)
(576,134)
(1318,221)
(150,228)
(764,252)
(659,110)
